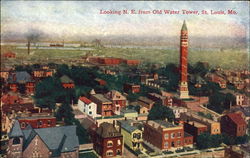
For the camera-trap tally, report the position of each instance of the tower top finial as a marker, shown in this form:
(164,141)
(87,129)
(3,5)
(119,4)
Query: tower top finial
(184,26)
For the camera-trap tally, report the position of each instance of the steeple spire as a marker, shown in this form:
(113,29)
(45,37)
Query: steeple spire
(184,26)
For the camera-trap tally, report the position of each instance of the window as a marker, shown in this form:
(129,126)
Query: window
(16,140)
(110,143)
(119,142)
(109,153)
(49,122)
(118,152)
(89,107)
(166,145)
(90,112)
(23,124)
(172,135)
(178,142)
(166,136)
(40,123)
(179,134)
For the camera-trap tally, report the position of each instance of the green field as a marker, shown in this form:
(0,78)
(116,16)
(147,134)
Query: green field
(230,58)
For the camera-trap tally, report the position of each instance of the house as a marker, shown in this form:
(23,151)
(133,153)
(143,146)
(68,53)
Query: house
(119,101)
(132,134)
(42,73)
(21,81)
(178,110)
(54,142)
(145,102)
(133,88)
(37,121)
(131,62)
(213,127)
(67,82)
(87,106)
(9,55)
(11,98)
(217,79)
(100,82)
(104,105)
(129,113)
(194,128)
(243,110)
(165,135)
(233,124)
(164,100)
(108,142)
(242,99)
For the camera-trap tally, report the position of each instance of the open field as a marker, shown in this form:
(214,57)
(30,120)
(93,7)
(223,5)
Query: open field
(230,58)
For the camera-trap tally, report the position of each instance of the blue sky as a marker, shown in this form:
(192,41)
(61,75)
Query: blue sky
(70,18)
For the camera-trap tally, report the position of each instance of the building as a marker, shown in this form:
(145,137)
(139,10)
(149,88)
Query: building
(100,82)
(243,110)
(242,99)
(9,55)
(108,142)
(21,81)
(165,135)
(233,124)
(183,62)
(11,98)
(131,62)
(129,113)
(37,121)
(178,110)
(164,100)
(119,101)
(145,102)
(54,142)
(67,82)
(194,128)
(133,88)
(87,106)
(213,127)
(42,73)
(104,105)
(132,134)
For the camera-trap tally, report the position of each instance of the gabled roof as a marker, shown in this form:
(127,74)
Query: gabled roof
(145,100)
(16,130)
(236,118)
(20,77)
(115,95)
(107,130)
(57,139)
(66,79)
(85,100)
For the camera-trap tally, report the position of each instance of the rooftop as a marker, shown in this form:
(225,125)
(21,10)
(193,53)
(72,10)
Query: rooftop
(85,100)
(236,118)
(196,124)
(107,130)
(160,123)
(101,98)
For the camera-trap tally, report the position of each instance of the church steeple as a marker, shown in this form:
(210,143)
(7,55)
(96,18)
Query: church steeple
(184,26)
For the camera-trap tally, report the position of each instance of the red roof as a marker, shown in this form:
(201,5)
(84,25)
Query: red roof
(85,100)
(236,118)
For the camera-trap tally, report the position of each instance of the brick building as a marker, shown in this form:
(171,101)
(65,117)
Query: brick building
(194,128)
(233,124)
(164,100)
(108,142)
(213,127)
(11,98)
(133,88)
(54,142)
(38,121)
(104,105)
(21,81)
(119,101)
(67,82)
(165,135)
(9,55)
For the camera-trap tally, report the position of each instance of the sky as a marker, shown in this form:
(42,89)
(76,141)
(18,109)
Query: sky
(83,18)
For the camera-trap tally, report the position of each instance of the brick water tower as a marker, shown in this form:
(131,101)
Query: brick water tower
(183,62)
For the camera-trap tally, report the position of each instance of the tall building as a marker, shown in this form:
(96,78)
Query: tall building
(183,62)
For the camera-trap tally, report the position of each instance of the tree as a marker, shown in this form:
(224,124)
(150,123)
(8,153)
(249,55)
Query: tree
(160,112)
(206,140)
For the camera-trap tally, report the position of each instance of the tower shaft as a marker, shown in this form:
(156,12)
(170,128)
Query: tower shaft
(184,94)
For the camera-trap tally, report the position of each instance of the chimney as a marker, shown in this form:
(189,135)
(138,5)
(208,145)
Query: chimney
(28,47)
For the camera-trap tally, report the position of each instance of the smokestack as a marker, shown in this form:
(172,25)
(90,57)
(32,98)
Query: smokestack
(28,47)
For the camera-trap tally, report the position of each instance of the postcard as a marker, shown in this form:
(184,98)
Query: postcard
(125,79)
